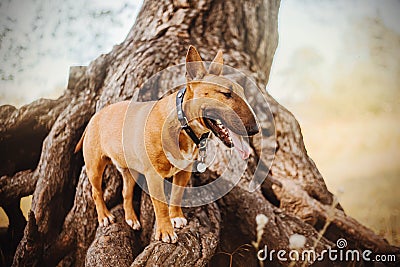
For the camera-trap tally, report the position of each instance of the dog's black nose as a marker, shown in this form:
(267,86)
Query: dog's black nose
(252,130)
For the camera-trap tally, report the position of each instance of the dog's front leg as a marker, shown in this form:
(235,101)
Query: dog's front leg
(164,228)
(180,181)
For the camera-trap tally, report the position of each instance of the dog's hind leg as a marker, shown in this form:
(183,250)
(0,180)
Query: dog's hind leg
(95,171)
(179,181)
(129,177)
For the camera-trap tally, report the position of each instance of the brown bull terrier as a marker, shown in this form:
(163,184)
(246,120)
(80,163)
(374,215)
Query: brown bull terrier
(208,102)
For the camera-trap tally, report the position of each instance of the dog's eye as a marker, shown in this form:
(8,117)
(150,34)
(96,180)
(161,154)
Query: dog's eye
(227,94)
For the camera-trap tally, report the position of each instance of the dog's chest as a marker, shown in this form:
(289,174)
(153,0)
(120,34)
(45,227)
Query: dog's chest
(182,160)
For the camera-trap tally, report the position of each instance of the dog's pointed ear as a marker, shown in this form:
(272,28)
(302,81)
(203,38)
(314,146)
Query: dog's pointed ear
(217,64)
(194,64)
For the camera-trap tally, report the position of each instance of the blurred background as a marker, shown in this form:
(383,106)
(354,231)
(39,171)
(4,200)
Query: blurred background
(337,69)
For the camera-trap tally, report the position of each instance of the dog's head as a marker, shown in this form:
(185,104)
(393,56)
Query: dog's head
(221,102)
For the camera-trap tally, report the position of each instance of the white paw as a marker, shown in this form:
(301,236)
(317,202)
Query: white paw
(178,222)
(170,238)
(134,224)
(107,220)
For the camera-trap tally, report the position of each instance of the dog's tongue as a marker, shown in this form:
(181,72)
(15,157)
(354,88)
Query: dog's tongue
(241,146)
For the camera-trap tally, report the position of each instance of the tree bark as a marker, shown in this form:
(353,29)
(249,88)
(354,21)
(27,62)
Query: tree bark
(62,228)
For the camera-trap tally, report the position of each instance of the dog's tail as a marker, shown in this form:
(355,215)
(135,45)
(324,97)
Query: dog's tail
(80,143)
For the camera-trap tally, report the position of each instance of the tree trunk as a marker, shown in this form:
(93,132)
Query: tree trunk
(62,228)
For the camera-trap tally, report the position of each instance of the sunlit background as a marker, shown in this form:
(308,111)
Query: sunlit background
(337,68)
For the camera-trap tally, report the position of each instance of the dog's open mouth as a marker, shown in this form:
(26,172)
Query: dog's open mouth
(220,131)
(229,138)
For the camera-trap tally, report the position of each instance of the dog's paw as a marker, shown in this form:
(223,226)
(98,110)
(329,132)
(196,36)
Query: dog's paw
(135,224)
(166,235)
(179,222)
(106,220)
